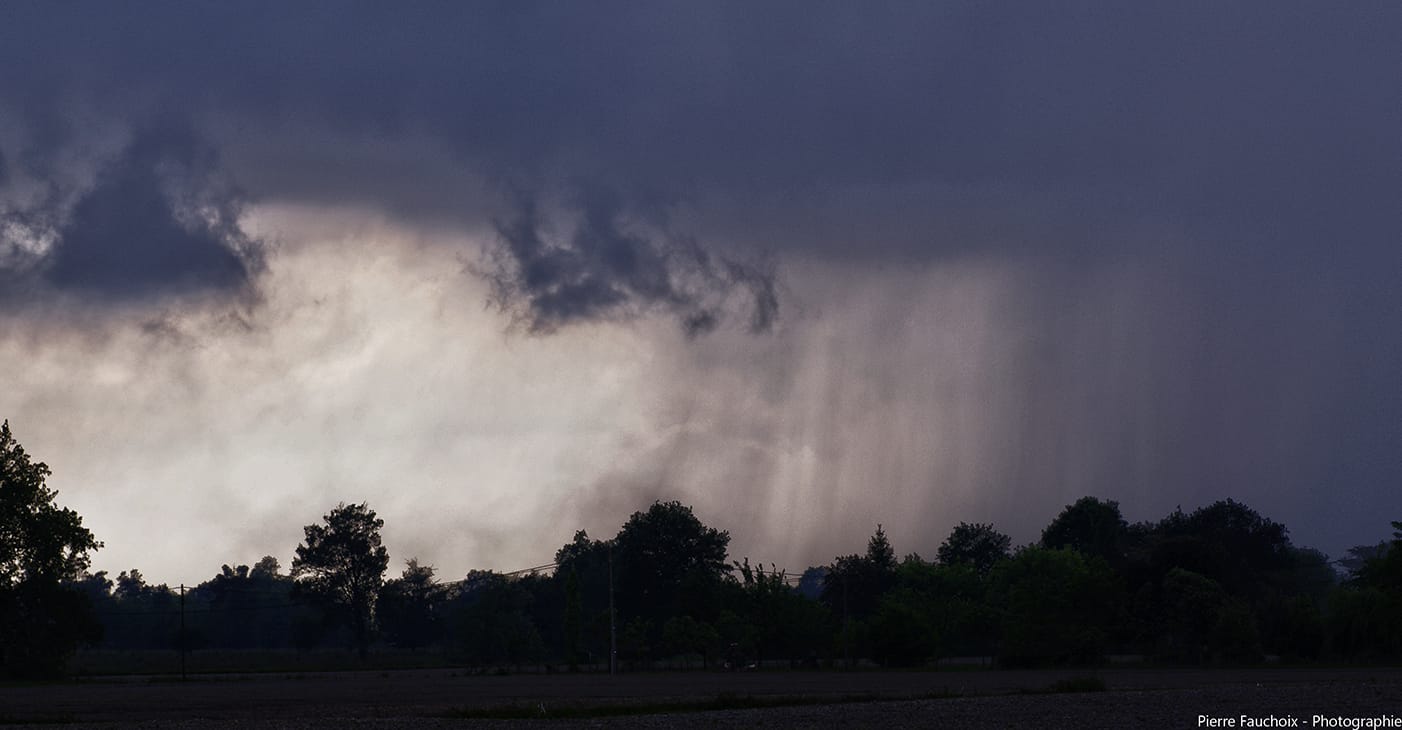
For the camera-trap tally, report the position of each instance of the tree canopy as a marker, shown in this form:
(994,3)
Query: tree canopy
(38,539)
(977,545)
(42,547)
(1090,526)
(665,554)
(344,562)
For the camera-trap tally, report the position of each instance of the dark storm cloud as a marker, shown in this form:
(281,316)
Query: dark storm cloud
(156,221)
(1271,119)
(603,270)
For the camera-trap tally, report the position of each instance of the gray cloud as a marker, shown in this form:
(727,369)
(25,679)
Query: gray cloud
(603,269)
(1240,162)
(156,221)
(1217,118)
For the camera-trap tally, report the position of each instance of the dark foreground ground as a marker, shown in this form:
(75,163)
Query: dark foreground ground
(441,698)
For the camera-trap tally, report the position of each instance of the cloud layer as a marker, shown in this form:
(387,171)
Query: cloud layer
(951,261)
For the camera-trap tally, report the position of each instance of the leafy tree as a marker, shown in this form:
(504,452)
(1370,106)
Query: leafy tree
(408,606)
(976,545)
(786,624)
(1228,542)
(266,567)
(43,547)
(880,553)
(1362,618)
(243,608)
(1189,606)
(1056,606)
(684,635)
(491,622)
(583,572)
(1362,623)
(1236,637)
(810,584)
(1384,572)
(1091,526)
(573,620)
(1304,629)
(633,646)
(343,562)
(668,563)
(1357,556)
(139,615)
(39,541)
(854,584)
(955,601)
(903,630)
(131,585)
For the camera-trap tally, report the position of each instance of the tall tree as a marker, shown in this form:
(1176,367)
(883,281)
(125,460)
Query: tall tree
(1385,570)
(879,551)
(42,548)
(1055,606)
(1227,542)
(853,584)
(976,545)
(343,562)
(667,562)
(1092,527)
(409,606)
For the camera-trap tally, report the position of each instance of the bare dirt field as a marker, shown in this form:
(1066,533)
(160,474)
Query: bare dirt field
(976,698)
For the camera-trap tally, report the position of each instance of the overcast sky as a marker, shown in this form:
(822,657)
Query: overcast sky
(508,270)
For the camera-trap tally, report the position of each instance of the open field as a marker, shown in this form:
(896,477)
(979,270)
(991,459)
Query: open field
(1142,697)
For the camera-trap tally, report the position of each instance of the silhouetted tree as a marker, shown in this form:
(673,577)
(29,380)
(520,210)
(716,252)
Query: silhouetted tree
(491,621)
(266,567)
(1228,542)
(43,549)
(684,635)
(1091,526)
(1384,572)
(810,584)
(976,545)
(583,566)
(852,589)
(408,607)
(1188,604)
(853,584)
(954,602)
(1357,556)
(880,553)
(343,562)
(1055,606)
(667,563)
(1363,615)
(138,615)
(903,630)
(786,624)
(242,608)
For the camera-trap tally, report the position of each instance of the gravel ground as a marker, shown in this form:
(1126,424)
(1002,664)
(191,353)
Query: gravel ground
(1137,698)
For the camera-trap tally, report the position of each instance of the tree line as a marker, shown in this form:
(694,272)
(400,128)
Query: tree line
(1220,584)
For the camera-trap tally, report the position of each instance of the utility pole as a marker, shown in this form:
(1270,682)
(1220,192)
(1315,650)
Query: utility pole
(182,632)
(613,631)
